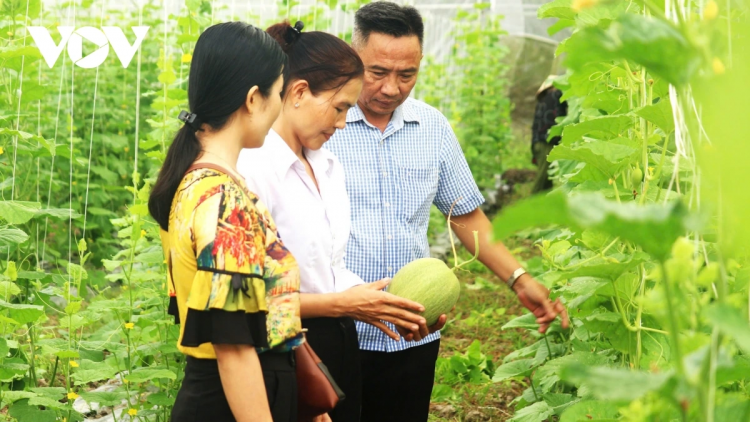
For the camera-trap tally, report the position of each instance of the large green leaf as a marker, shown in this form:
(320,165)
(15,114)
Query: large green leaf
(614,384)
(513,369)
(556,9)
(537,412)
(605,127)
(18,212)
(146,374)
(659,114)
(10,236)
(656,44)
(607,157)
(629,221)
(22,313)
(608,11)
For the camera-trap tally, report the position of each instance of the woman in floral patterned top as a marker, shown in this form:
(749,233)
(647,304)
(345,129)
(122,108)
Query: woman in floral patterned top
(233,286)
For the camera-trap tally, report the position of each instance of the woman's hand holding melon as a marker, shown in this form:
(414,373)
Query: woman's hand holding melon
(368,303)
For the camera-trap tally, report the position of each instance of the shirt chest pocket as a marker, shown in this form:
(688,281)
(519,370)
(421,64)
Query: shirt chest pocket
(417,187)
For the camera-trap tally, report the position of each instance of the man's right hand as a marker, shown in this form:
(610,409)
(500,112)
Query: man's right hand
(368,303)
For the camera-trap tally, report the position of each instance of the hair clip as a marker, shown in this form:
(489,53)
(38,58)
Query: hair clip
(189,119)
(298,27)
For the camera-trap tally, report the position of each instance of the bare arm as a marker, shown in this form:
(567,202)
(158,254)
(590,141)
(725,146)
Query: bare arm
(242,379)
(496,257)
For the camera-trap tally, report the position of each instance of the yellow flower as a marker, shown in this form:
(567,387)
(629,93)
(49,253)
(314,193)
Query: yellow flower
(132,412)
(73,364)
(72,396)
(718,66)
(143,233)
(610,181)
(129,325)
(711,11)
(579,5)
(2,150)
(127,149)
(186,58)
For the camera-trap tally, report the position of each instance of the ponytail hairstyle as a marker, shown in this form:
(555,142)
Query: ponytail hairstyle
(323,60)
(229,59)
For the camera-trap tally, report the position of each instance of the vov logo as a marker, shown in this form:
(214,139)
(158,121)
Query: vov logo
(73,38)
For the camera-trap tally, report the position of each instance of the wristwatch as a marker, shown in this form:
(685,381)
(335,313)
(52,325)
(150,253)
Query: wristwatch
(514,277)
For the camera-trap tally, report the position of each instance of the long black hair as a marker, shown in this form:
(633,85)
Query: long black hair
(229,59)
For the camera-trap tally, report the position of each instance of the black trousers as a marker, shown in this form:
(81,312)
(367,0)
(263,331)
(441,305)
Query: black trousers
(201,397)
(335,342)
(396,387)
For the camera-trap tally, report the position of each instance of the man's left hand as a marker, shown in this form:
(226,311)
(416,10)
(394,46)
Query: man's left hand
(535,297)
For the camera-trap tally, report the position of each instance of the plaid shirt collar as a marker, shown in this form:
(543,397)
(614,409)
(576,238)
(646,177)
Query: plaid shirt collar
(402,114)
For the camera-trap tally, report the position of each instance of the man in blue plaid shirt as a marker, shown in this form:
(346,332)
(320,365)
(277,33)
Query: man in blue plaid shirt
(401,156)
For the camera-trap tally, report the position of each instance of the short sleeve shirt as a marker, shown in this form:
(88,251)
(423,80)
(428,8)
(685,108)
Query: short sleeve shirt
(224,254)
(393,178)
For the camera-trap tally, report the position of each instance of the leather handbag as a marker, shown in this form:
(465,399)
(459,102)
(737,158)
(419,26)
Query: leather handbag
(317,392)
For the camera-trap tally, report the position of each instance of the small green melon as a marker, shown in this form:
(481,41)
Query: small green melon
(430,282)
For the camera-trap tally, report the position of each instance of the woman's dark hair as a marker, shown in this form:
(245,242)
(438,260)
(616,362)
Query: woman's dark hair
(229,59)
(387,18)
(323,60)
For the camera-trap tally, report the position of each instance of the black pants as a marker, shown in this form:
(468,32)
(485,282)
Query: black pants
(396,387)
(335,342)
(201,397)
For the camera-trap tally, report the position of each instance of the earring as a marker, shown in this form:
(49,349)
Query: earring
(296,105)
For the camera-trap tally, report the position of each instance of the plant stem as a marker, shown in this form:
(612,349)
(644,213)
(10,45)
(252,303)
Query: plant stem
(476,250)
(674,325)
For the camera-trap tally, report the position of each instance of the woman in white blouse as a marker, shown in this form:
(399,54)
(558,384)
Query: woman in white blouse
(303,187)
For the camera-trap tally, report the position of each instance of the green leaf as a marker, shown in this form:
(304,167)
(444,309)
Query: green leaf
(146,374)
(556,9)
(629,221)
(162,399)
(513,369)
(731,322)
(590,410)
(48,403)
(607,157)
(58,213)
(8,289)
(18,212)
(12,236)
(560,25)
(614,384)
(105,398)
(12,370)
(593,16)
(659,114)
(656,44)
(523,321)
(605,127)
(85,376)
(67,354)
(22,313)
(537,412)
(22,411)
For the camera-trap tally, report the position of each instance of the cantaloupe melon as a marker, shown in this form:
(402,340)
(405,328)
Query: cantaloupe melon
(430,282)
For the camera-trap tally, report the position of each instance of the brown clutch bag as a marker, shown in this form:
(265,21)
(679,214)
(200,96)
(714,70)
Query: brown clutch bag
(317,392)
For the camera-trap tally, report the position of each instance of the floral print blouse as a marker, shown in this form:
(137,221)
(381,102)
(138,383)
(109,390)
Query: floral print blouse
(230,276)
